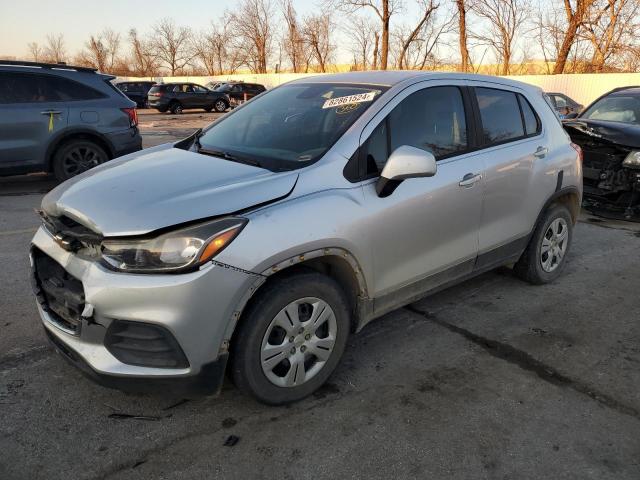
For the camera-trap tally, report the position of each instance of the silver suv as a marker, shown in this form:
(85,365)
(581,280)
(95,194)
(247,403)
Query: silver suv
(263,241)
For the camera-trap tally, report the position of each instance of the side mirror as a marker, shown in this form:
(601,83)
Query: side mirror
(405,162)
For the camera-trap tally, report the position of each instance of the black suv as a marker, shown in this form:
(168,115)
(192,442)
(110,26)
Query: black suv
(62,119)
(176,97)
(240,92)
(136,91)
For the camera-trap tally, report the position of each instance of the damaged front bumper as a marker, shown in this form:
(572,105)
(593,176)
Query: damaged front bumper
(137,332)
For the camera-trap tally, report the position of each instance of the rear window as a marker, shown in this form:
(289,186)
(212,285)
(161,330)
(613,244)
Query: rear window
(500,114)
(36,88)
(531,121)
(156,88)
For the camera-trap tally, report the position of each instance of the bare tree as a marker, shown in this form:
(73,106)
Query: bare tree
(317,36)
(610,29)
(101,51)
(214,49)
(144,61)
(576,15)
(55,50)
(35,51)
(293,42)
(428,8)
(172,45)
(361,34)
(465,58)
(251,23)
(504,20)
(383,9)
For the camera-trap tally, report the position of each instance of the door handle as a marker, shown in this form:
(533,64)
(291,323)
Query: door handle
(470,179)
(541,152)
(51,112)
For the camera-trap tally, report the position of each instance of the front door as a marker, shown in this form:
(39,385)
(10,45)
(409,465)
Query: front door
(426,232)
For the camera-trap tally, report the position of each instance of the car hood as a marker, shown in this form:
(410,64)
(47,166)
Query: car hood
(147,191)
(625,134)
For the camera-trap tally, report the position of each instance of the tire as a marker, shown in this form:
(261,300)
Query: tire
(75,157)
(176,108)
(537,267)
(161,110)
(220,106)
(260,330)
(208,109)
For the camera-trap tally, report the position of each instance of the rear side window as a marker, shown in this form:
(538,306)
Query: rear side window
(531,121)
(29,88)
(500,115)
(432,119)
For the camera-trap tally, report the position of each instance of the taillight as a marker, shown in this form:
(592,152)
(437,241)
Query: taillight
(577,148)
(155,94)
(132,113)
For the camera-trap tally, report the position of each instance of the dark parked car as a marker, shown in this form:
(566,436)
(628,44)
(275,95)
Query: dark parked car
(62,119)
(136,91)
(176,97)
(608,131)
(240,92)
(563,104)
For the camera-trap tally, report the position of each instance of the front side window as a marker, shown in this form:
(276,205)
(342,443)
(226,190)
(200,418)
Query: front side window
(500,114)
(615,108)
(290,126)
(432,119)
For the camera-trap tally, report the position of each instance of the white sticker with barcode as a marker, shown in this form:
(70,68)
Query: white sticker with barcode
(357,98)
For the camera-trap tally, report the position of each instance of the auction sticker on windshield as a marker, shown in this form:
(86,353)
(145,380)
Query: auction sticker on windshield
(357,98)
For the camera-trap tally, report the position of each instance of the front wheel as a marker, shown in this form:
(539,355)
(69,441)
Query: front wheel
(545,256)
(220,106)
(291,338)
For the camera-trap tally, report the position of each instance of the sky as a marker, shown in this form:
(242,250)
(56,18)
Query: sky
(25,21)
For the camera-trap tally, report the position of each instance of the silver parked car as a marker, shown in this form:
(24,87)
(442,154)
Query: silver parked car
(259,244)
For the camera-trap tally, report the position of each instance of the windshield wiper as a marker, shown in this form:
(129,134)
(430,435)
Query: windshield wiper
(227,156)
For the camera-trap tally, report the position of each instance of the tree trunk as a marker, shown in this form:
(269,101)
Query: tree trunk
(465,60)
(375,51)
(385,35)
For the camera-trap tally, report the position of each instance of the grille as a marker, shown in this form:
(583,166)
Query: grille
(59,294)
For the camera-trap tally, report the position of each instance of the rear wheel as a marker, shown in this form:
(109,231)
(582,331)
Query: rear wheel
(75,157)
(291,338)
(545,256)
(220,106)
(176,108)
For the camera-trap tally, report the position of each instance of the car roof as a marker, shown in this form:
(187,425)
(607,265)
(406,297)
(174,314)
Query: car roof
(634,90)
(390,78)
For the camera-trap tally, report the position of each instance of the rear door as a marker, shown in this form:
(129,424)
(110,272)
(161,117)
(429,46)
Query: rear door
(512,143)
(31,113)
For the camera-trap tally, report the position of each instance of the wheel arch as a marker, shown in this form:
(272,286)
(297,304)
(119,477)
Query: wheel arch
(77,134)
(336,263)
(569,197)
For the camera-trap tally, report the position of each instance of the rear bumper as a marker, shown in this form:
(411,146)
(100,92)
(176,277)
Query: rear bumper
(125,142)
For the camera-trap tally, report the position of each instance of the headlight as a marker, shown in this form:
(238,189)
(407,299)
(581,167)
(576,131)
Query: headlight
(176,251)
(632,160)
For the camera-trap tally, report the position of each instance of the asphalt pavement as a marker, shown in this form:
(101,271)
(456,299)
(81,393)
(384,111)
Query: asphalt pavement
(491,379)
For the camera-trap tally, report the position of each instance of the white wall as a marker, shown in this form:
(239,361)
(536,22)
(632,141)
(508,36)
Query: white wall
(583,88)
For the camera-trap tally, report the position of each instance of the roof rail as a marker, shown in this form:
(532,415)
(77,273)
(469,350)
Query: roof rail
(59,66)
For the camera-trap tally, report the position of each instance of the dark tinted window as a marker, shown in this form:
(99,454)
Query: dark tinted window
(531,120)
(27,88)
(500,115)
(432,119)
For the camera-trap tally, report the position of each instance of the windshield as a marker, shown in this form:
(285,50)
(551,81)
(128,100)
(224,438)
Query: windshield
(290,126)
(615,108)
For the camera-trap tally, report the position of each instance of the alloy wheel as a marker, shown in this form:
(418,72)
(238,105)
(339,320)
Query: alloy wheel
(80,159)
(554,245)
(298,342)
